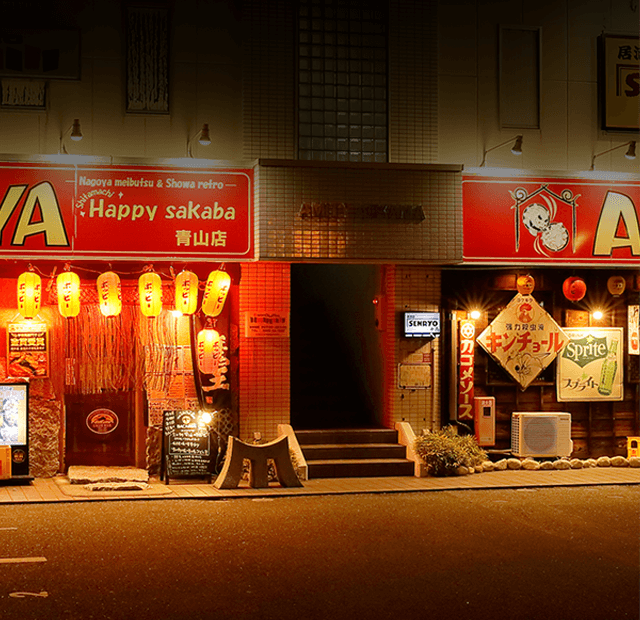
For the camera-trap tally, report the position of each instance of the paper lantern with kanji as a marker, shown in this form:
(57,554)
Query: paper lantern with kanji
(616,285)
(210,352)
(109,294)
(186,292)
(215,292)
(29,294)
(574,288)
(525,284)
(68,286)
(150,291)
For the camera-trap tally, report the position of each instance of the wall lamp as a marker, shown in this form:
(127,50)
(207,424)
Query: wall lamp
(75,135)
(516,149)
(203,138)
(630,154)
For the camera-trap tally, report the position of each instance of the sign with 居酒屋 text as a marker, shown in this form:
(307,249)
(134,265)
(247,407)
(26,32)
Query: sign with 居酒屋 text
(532,220)
(590,366)
(524,339)
(127,212)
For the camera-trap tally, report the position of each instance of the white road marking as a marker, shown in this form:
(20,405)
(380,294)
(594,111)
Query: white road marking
(6,529)
(21,560)
(42,594)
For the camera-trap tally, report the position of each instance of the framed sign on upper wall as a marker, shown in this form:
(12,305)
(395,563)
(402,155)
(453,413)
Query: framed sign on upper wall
(619,82)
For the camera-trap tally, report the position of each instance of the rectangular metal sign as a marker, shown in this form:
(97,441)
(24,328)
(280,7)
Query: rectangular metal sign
(125,212)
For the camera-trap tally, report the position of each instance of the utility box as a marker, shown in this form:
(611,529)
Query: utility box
(5,462)
(485,420)
(633,446)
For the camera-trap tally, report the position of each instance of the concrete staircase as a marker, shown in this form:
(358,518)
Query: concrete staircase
(354,453)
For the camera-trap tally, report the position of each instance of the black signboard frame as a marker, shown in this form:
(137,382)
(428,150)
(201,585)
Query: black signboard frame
(19,451)
(186,446)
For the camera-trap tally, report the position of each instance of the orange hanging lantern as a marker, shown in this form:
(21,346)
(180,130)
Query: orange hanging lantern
(186,292)
(211,347)
(150,290)
(68,285)
(29,294)
(525,284)
(215,292)
(109,294)
(574,288)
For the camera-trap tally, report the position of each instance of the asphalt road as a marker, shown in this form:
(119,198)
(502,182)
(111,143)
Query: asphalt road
(569,553)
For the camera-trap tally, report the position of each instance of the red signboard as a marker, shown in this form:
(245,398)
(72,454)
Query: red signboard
(126,212)
(550,220)
(465,374)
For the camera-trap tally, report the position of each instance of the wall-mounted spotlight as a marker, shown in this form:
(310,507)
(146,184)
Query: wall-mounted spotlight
(75,134)
(630,154)
(203,138)
(516,149)
(475,314)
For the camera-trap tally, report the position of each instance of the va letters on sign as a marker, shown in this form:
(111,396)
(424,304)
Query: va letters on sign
(544,220)
(49,210)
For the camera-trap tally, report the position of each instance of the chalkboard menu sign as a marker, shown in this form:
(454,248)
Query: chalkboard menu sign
(186,446)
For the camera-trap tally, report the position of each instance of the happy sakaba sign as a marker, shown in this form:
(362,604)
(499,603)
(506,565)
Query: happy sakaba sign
(524,339)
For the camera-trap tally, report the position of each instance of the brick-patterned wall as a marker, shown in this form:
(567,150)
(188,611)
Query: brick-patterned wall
(264,362)
(411,288)
(282,187)
(268,82)
(413,81)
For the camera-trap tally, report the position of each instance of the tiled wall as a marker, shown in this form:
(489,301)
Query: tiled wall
(411,288)
(283,187)
(264,362)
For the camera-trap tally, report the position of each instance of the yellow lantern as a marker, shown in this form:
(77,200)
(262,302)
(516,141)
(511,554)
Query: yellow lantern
(186,292)
(215,292)
(150,290)
(68,285)
(211,347)
(109,294)
(29,294)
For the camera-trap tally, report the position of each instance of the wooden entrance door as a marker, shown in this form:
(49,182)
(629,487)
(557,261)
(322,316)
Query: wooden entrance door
(100,429)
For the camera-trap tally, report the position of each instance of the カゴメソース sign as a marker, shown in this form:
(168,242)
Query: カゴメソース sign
(120,211)
(550,220)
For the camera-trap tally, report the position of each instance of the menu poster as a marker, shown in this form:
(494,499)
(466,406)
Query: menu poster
(187,445)
(27,350)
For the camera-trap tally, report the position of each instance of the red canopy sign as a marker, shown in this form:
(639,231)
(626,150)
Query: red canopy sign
(125,212)
(550,220)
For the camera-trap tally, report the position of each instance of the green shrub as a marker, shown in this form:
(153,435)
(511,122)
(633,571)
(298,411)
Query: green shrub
(444,451)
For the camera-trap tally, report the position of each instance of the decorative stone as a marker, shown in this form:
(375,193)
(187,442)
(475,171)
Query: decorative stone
(634,461)
(619,461)
(546,465)
(530,464)
(478,469)
(604,461)
(489,465)
(576,464)
(500,465)
(561,464)
(461,470)
(514,463)
(591,463)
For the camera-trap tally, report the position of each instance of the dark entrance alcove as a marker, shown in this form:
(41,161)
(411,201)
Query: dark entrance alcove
(336,369)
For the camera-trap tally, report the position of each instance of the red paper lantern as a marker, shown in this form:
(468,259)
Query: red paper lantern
(525,284)
(616,285)
(574,288)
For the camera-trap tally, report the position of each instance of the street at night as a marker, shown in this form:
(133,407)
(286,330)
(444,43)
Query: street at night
(531,553)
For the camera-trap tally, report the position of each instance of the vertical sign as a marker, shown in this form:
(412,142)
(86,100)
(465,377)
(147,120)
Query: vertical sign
(465,373)
(27,354)
(633,328)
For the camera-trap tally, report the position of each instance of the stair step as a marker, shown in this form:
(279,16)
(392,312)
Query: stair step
(360,468)
(347,436)
(353,451)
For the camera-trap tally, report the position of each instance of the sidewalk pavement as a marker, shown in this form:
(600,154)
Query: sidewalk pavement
(58,489)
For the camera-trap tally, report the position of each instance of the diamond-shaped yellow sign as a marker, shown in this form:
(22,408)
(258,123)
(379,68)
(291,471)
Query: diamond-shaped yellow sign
(524,339)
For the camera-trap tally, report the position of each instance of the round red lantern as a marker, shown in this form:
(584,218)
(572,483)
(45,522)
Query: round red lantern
(574,288)
(525,284)
(616,285)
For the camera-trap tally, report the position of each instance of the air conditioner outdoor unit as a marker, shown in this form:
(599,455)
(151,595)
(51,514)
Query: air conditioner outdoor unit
(541,434)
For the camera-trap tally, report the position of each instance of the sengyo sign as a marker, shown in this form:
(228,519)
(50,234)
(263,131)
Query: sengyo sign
(549,220)
(127,212)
